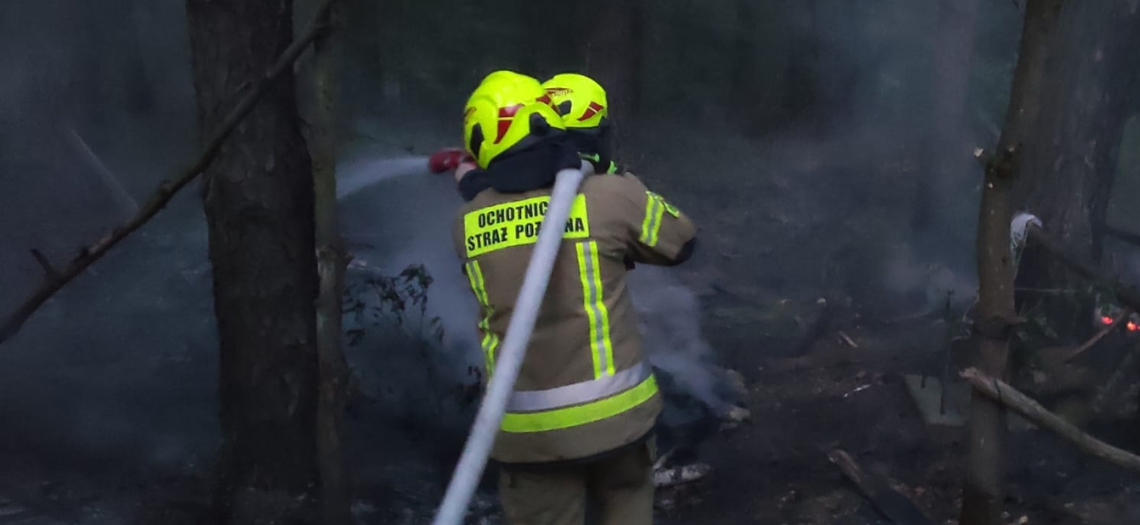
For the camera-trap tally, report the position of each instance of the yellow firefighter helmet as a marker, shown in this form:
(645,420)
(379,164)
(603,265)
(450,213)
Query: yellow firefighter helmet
(507,112)
(580,100)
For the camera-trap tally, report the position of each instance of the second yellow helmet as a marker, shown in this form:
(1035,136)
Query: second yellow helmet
(507,112)
(580,100)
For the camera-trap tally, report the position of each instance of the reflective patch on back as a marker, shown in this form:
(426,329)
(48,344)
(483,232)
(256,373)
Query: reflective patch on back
(517,224)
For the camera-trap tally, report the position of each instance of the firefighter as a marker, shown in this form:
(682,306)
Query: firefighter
(580,422)
(583,106)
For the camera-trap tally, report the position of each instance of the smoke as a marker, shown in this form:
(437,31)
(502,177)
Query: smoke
(926,283)
(669,317)
(122,365)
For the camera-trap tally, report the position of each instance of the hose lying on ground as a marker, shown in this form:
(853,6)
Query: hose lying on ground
(469,470)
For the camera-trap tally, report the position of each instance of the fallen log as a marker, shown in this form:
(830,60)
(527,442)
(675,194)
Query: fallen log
(1038,415)
(54,281)
(890,502)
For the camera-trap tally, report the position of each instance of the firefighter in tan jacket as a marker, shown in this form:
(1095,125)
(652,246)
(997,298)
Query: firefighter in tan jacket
(580,421)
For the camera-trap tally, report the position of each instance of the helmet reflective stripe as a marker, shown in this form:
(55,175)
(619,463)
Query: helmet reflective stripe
(593,109)
(506,118)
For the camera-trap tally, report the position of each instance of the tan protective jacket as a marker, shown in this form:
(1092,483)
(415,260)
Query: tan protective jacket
(585,387)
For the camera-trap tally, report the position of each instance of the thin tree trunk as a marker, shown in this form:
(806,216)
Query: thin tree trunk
(613,53)
(259,204)
(983,492)
(335,497)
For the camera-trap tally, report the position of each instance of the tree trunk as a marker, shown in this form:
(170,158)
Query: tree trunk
(1072,155)
(259,202)
(983,493)
(613,51)
(335,500)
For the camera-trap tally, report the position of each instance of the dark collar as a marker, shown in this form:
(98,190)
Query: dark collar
(530,169)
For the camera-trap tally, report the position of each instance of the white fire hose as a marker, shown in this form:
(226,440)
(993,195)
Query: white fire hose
(471,464)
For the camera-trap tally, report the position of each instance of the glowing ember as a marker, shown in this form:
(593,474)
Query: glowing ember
(1132,326)
(1106,320)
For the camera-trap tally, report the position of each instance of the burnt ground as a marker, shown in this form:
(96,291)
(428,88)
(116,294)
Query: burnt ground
(775,469)
(769,251)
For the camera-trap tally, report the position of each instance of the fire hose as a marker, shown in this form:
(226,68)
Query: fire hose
(473,461)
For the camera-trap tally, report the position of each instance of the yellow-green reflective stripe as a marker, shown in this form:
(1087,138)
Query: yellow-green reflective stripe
(651,226)
(589,268)
(605,342)
(490,339)
(578,393)
(581,414)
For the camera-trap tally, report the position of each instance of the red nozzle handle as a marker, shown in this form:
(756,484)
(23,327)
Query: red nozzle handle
(448,159)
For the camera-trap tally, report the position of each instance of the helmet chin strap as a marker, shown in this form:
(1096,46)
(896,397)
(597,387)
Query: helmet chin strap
(595,144)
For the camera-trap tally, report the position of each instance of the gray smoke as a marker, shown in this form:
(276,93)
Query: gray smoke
(669,317)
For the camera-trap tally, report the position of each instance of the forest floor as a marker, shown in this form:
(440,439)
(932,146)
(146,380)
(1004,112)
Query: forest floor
(771,246)
(809,399)
(775,469)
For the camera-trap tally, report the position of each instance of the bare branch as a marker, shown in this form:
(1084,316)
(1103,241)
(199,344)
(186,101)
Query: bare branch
(1127,295)
(1037,414)
(14,321)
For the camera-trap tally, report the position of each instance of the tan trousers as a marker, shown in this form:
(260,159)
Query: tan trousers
(619,486)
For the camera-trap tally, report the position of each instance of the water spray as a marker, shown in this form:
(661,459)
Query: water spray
(363,174)
(471,464)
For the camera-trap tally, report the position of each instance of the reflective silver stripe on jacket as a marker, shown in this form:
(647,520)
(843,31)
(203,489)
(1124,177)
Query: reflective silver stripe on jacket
(579,393)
